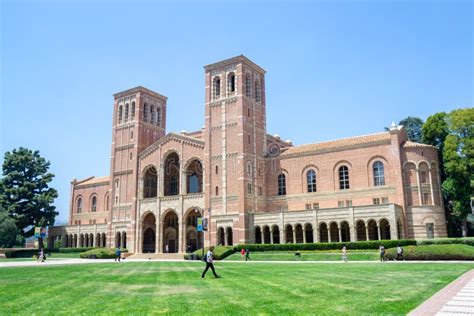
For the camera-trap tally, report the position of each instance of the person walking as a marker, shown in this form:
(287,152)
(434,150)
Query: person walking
(242,252)
(344,254)
(399,253)
(247,254)
(209,263)
(382,253)
(41,255)
(118,254)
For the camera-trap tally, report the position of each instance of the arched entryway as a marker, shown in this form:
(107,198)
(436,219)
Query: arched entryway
(170,232)
(345,232)
(334,232)
(220,236)
(298,234)
(149,234)
(230,236)
(361,232)
(289,234)
(193,237)
(323,232)
(373,234)
(266,235)
(384,229)
(308,233)
(276,234)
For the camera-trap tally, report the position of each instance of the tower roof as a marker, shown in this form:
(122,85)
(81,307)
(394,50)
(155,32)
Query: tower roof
(139,89)
(233,60)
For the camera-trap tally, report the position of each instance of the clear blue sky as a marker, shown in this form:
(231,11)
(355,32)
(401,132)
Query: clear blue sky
(334,68)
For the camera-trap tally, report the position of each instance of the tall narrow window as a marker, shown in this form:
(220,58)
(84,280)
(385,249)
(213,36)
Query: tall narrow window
(94,204)
(158,116)
(79,205)
(216,87)
(258,91)
(343,178)
(248,86)
(153,114)
(231,82)
(217,190)
(217,169)
(145,112)
(311,180)
(379,174)
(132,112)
(281,184)
(126,112)
(120,114)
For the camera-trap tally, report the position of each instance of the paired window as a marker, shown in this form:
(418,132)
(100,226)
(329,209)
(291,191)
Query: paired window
(311,180)
(281,184)
(249,188)
(379,173)
(343,178)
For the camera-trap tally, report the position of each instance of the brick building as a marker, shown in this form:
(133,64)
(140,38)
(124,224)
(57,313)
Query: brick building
(253,187)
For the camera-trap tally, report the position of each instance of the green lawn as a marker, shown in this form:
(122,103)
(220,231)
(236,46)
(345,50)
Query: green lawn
(255,288)
(54,255)
(308,256)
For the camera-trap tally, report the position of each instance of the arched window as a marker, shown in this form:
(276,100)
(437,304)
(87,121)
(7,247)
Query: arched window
(145,112)
(281,184)
(343,178)
(153,114)
(94,204)
(107,200)
(194,177)
(248,86)
(231,82)
(379,174)
(132,112)
(216,87)
(158,116)
(150,183)
(217,169)
(79,205)
(311,180)
(126,112)
(120,114)
(258,91)
(172,174)
(217,190)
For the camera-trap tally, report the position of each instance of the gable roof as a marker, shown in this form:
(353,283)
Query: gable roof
(170,136)
(93,180)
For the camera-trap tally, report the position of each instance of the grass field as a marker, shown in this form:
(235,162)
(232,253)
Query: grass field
(307,256)
(54,255)
(245,288)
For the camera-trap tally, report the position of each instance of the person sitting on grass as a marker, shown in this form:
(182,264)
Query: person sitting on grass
(209,263)
(399,253)
(344,254)
(382,253)
(118,254)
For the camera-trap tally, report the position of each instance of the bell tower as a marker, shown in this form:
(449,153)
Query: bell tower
(235,137)
(139,120)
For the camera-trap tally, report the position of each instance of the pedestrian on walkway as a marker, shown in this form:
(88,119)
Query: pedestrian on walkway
(209,263)
(344,254)
(382,253)
(247,254)
(399,253)
(41,255)
(242,252)
(118,254)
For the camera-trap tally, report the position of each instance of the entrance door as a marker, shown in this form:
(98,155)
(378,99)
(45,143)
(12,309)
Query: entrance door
(149,241)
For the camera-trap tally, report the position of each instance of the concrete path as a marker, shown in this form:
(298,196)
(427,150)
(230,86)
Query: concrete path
(455,299)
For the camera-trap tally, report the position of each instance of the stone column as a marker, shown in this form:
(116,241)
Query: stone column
(329,234)
(262,236)
(366,232)
(180,236)
(315,235)
(294,235)
(271,236)
(379,237)
(352,230)
(282,236)
(158,246)
(431,189)
(420,202)
(304,236)
(340,234)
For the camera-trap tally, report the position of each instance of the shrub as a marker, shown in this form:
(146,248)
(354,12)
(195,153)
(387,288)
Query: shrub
(444,241)
(220,252)
(434,252)
(100,253)
(372,244)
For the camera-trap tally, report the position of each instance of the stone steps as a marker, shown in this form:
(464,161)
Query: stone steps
(161,256)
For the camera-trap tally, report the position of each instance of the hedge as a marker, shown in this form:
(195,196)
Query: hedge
(444,241)
(434,252)
(372,244)
(220,252)
(100,253)
(28,253)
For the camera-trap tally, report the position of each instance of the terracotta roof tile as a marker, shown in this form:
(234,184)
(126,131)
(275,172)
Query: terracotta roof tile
(94,180)
(340,144)
(409,144)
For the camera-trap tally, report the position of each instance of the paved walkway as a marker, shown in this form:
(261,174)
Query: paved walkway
(456,299)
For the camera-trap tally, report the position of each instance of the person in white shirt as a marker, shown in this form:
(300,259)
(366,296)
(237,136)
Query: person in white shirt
(344,254)
(209,263)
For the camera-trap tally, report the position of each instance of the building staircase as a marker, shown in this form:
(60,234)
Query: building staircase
(161,256)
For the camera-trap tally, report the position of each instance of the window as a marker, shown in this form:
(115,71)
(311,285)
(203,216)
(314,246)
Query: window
(385,200)
(107,202)
(249,188)
(349,203)
(423,177)
(132,113)
(426,198)
(94,204)
(343,178)
(249,169)
(131,135)
(131,156)
(376,201)
(126,112)
(281,184)
(248,112)
(231,82)
(308,207)
(340,203)
(430,230)
(316,206)
(311,181)
(120,115)
(116,200)
(248,86)
(248,138)
(79,205)
(258,91)
(217,169)
(216,87)
(379,175)
(217,191)
(259,190)
(150,182)
(117,183)
(152,114)
(158,116)
(145,112)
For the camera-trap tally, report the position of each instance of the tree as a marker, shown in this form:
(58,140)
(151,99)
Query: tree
(24,190)
(8,230)
(453,135)
(413,128)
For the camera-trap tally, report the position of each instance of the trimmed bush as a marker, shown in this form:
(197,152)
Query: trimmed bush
(220,252)
(434,252)
(446,241)
(100,253)
(372,244)
(28,253)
